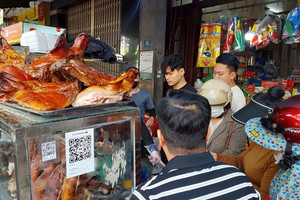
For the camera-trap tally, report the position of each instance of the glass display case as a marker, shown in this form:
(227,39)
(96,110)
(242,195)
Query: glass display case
(90,152)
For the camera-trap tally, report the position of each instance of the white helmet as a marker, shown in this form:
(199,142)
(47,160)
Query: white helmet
(216,91)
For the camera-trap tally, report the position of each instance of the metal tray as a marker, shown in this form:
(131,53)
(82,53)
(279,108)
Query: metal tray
(67,111)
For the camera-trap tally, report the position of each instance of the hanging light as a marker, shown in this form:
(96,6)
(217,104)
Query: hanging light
(249,35)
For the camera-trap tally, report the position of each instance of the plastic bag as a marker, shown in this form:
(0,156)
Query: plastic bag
(154,156)
(229,37)
(239,42)
(234,41)
(291,26)
(270,69)
(266,30)
(198,84)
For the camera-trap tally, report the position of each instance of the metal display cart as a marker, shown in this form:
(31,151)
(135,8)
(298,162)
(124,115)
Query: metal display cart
(89,152)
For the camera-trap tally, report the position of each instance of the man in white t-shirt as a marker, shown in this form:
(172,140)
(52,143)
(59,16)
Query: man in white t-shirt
(225,69)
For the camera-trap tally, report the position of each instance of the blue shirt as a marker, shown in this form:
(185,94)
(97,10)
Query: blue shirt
(143,100)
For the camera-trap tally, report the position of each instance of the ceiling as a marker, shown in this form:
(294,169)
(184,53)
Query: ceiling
(17,7)
(14,3)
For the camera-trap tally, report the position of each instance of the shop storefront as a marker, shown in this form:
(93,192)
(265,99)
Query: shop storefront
(261,34)
(41,149)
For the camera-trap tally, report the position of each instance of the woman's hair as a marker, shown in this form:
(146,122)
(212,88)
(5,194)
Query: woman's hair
(274,96)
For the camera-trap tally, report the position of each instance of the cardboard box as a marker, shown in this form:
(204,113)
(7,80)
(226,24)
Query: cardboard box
(14,32)
(287,84)
(269,84)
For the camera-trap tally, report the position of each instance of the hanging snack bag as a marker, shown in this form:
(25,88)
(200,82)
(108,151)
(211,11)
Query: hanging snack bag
(291,26)
(239,42)
(274,28)
(209,45)
(204,54)
(266,30)
(215,41)
(229,37)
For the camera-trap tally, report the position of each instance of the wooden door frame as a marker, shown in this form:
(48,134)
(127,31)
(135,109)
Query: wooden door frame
(194,13)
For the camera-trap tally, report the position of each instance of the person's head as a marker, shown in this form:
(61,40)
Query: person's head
(226,68)
(260,105)
(183,119)
(173,67)
(137,78)
(219,95)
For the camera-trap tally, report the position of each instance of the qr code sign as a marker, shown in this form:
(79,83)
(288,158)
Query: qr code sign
(80,148)
(48,151)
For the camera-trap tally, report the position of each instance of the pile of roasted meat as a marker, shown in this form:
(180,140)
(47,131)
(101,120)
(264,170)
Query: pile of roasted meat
(49,180)
(58,79)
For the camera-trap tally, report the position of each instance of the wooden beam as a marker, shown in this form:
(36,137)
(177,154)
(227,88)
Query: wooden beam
(14,3)
(59,3)
(92,18)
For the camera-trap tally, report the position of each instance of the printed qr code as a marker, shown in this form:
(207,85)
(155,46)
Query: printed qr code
(48,151)
(80,149)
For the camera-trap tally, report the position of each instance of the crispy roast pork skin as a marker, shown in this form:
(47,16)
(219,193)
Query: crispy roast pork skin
(8,56)
(111,93)
(17,72)
(54,80)
(48,67)
(69,188)
(46,96)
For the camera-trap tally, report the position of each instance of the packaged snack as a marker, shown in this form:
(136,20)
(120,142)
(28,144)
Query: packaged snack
(268,84)
(266,30)
(287,84)
(239,42)
(229,37)
(209,45)
(291,26)
(295,91)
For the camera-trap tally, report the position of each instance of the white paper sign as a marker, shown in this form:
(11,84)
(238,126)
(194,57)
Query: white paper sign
(48,151)
(146,59)
(79,152)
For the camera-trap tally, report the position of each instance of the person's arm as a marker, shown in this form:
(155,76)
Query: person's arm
(151,110)
(154,156)
(152,113)
(145,134)
(237,141)
(236,161)
(266,179)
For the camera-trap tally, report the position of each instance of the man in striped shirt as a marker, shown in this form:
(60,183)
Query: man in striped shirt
(191,172)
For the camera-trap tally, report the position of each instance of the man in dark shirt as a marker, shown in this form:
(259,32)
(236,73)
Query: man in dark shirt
(191,173)
(173,68)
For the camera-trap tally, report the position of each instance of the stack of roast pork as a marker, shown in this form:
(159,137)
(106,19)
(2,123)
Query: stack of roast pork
(58,79)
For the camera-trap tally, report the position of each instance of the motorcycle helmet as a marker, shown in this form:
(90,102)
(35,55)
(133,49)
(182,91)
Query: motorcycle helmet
(285,119)
(217,92)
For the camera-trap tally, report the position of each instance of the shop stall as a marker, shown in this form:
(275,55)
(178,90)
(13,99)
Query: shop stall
(263,35)
(88,152)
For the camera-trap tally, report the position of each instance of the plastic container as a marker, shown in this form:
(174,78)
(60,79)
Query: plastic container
(51,41)
(37,41)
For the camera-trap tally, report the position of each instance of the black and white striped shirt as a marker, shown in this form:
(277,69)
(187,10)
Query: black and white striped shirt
(197,176)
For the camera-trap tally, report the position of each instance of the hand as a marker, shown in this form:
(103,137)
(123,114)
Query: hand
(150,122)
(155,158)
